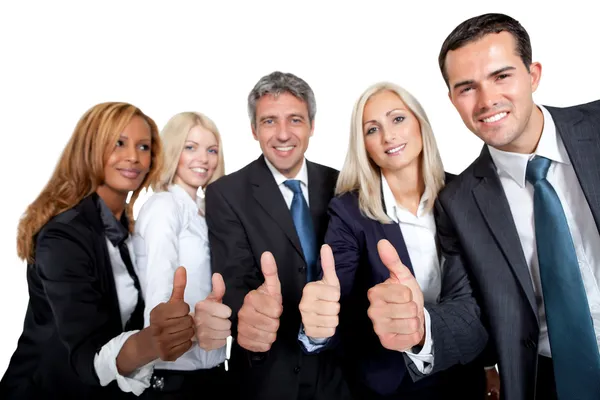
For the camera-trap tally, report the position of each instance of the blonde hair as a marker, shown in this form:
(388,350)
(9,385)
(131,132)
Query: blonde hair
(361,174)
(80,169)
(173,136)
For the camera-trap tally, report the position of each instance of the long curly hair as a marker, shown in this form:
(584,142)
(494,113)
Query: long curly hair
(80,169)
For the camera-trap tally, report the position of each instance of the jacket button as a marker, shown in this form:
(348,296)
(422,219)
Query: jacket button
(297,369)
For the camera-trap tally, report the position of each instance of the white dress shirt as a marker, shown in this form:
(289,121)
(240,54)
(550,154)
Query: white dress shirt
(170,232)
(511,168)
(287,193)
(419,233)
(105,361)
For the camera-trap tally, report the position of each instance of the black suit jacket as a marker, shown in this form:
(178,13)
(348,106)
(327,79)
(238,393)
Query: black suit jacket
(73,311)
(478,233)
(458,334)
(246,216)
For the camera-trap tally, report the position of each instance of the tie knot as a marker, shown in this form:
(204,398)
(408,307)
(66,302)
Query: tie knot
(294,185)
(537,169)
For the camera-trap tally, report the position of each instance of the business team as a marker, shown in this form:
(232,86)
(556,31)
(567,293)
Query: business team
(390,279)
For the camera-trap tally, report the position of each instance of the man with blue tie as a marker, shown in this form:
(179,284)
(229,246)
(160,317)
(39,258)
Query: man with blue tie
(266,223)
(524,218)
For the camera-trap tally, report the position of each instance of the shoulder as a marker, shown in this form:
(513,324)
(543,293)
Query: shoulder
(232,183)
(456,186)
(327,172)
(346,206)
(158,203)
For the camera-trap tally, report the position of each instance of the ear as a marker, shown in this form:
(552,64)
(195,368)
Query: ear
(253,131)
(535,72)
(312,127)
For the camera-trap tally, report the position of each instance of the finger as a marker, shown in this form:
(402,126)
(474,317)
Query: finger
(251,316)
(213,323)
(212,334)
(251,345)
(210,344)
(319,333)
(320,307)
(175,339)
(269,270)
(265,305)
(254,334)
(320,291)
(393,311)
(328,266)
(321,321)
(389,293)
(389,258)
(175,325)
(213,309)
(218,288)
(179,282)
(406,326)
(177,351)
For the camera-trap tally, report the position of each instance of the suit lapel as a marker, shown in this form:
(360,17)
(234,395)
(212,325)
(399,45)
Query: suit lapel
(495,209)
(581,140)
(319,195)
(268,195)
(393,234)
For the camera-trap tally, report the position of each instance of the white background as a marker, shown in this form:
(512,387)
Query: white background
(57,59)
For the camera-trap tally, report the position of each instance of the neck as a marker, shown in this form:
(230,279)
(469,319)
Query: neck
(527,142)
(115,201)
(192,191)
(407,185)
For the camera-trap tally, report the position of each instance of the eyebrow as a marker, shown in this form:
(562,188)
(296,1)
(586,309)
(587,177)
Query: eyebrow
(191,142)
(387,114)
(494,73)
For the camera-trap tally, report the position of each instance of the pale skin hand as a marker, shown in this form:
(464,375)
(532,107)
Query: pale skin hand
(320,304)
(211,317)
(258,319)
(396,308)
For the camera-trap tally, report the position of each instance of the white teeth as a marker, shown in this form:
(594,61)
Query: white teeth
(199,170)
(396,149)
(495,118)
(286,148)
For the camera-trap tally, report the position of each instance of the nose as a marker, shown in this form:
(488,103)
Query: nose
(282,134)
(388,135)
(202,156)
(132,153)
(487,98)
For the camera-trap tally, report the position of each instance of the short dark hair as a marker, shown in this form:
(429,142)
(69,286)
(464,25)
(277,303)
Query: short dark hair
(475,28)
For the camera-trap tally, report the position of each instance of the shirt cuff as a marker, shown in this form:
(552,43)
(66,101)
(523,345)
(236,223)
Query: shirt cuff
(311,345)
(105,364)
(490,367)
(424,358)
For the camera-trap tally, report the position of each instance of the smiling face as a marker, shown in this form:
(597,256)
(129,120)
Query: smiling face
(198,161)
(392,133)
(283,129)
(129,161)
(492,90)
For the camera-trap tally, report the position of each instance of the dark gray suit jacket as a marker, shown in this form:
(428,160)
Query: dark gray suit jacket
(477,231)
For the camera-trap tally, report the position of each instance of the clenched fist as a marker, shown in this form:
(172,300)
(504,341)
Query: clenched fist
(258,319)
(320,304)
(211,317)
(396,308)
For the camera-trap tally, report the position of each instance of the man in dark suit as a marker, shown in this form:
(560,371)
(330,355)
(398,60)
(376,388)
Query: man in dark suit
(276,204)
(524,217)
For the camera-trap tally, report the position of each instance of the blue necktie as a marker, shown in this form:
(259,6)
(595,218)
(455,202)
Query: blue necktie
(573,342)
(304,228)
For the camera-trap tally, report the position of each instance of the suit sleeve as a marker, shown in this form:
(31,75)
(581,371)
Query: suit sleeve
(344,245)
(65,262)
(231,254)
(458,333)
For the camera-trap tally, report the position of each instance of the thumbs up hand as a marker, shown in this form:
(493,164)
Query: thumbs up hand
(396,308)
(258,319)
(211,317)
(320,304)
(170,323)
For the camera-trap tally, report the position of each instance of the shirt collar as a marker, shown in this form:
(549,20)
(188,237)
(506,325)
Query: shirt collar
(180,193)
(302,175)
(390,204)
(115,231)
(550,146)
